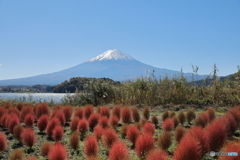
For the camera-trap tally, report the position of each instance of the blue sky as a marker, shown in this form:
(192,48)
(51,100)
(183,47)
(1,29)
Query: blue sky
(38,37)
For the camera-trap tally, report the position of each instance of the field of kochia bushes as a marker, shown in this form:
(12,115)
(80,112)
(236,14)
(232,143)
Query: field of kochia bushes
(41,132)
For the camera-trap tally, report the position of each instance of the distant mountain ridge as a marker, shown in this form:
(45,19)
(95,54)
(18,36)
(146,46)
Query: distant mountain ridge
(113,64)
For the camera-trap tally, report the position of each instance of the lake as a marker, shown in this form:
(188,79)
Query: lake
(38,97)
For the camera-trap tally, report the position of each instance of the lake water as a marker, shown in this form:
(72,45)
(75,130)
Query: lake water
(38,97)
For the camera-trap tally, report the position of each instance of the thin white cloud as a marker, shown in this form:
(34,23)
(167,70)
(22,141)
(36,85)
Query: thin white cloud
(0,64)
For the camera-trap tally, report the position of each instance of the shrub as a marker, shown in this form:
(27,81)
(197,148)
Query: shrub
(181,117)
(74,123)
(190,115)
(42,122)
(32,158)
(51,125)
(211,114)
(164,140)
(17,131)
(28,137)
(17,154)
(165,115)
(93,120)
(144,144)
(74,140)
(109,137)
(205,117)
(29,120)
(4,120)
(2,112)
(91,146)
(12,122)
(82,126)
(42,108)
(58,133)
(175,121)
(114,121)
(229,124)
(126,115)
(200,122)
(155,121)
(92,158)
(98,132)
(179,133)
(236,115)
(117,111)
(61,117)
(67,110)
(157,154)
(146,112)
(14,110)
(187,149)
(19,106)
(79,113)
(168,124)
(135,114)
(103,121)
(26,110)
(3,142)
(172,114)
(149,128)
(57,107)
(57,152)
(45,148)
(143,121)
(88,110)
(105,111)
(201,137)
(217,135)
(119,151)
(132,133)
(232,146)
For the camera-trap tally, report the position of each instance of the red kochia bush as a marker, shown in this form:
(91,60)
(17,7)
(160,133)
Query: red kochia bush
(149,128)
(4,119)
(126,115)
(103,121)
(119,151)
(61,117)
(232,146)
(57,152)
(132,133)
(79,113)
(42,122)
(211,114)
(135,114)
(2,112)
(143,145)
(157,154)
(28,137)
(217,135)
(187,149)
(3,142)
(29,120)
(109,137)
(88,110)
(58,133)
(74,140)
(74,123)
(98,132)
(42,109)
(45,148)
(19,106)
(105,111)
(117,111)
(82,126)
(235,112)
(14,110)
(12,122)
(201,137)
(67,110)
(114,121)
(26,110)
(229,123)
(93,120)
(168,124)
(51,125)
(17,131)
(91,146)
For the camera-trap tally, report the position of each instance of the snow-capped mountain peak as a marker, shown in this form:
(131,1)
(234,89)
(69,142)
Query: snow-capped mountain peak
(114,54)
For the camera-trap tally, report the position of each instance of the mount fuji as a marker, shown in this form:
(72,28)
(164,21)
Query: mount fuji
(112,64)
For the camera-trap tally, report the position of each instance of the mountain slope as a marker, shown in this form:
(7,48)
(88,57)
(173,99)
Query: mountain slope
(112,64)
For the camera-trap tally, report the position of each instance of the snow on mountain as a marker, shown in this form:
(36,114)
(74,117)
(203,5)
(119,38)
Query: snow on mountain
(114,54)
